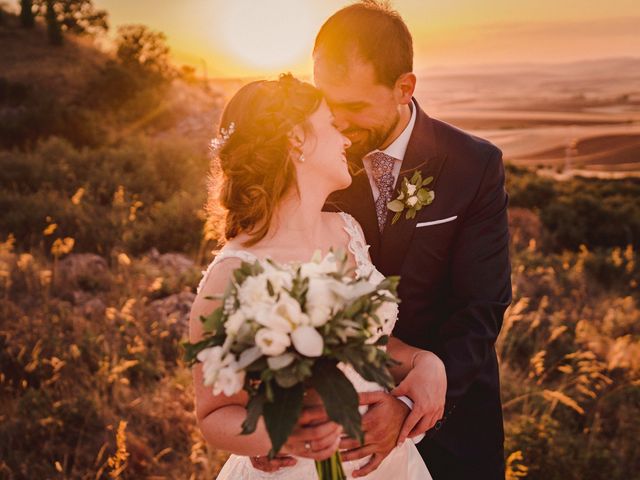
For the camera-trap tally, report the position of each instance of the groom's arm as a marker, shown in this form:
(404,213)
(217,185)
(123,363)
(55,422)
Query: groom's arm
(481,283)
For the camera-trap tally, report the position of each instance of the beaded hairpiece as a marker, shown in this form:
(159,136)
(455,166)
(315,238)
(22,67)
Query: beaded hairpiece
(220,141)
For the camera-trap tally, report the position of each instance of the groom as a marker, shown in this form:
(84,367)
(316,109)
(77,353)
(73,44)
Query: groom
(452,256)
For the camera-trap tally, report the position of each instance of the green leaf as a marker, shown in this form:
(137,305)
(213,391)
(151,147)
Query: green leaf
(427,181)
(213,321)
(395,206)
(339,397)
(254,410)
(416,177)
(191,350)
(411,213)
(423,195)
(353,309)
(286,377)
(395,218)
(281,414)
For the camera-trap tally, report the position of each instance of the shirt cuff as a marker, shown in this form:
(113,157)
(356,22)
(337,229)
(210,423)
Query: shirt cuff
(409,403)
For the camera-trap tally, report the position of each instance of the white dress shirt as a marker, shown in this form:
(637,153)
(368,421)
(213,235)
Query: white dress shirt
(397,149)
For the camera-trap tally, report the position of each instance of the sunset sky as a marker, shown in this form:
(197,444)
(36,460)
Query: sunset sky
(264,37)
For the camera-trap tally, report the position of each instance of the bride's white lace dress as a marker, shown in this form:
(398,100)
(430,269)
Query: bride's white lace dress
(403,463)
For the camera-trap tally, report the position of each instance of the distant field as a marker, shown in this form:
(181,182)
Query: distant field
(572,118)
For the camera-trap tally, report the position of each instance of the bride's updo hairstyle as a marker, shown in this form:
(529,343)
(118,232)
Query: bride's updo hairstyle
(253,168)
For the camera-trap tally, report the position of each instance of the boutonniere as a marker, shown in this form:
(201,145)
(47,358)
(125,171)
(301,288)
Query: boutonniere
(413,196)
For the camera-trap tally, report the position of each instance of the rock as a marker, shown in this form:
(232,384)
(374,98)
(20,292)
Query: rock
(175,262)
(176,306)
(85,271)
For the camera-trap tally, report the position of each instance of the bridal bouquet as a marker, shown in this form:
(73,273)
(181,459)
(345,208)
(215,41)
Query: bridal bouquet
(283,329)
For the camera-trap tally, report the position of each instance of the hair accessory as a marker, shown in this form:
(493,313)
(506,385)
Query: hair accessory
(220,141)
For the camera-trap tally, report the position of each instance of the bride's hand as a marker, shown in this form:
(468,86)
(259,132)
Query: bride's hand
(315,436)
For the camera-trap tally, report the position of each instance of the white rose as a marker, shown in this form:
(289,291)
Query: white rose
(211,359)
(387,312)
(253,292)
(281,361)
(284,316)
(307,341)
(411,189)
(319,266)
(234,322)
(329,263)
(320,300)
(412,201)
(279,279)
(248,357)
(310,269)
(272,342)
(350,292)
(230,380)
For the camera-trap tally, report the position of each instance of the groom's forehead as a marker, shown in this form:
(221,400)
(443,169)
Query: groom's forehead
(343,75)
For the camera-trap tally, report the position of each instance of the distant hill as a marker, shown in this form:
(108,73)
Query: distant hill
(27,58)
(77,88)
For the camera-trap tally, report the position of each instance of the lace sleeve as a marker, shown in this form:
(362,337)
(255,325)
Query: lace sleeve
(357,245)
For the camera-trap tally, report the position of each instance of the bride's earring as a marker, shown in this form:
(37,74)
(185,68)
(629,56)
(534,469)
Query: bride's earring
(301,158)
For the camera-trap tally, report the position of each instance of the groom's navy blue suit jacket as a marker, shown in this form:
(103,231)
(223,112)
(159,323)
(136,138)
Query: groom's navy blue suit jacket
(455,277)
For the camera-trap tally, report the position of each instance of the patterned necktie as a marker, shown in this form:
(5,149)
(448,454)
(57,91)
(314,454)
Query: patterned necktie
(382,167)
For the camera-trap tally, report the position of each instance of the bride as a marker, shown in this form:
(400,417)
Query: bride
(280,156)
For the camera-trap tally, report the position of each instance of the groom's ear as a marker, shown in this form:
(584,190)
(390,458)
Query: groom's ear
(404,87)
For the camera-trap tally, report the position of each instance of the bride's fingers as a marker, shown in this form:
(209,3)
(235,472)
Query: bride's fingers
(371,465)
(326,452)
(324,443)
(313,415)
(312,440)
(316,451)
(316,432)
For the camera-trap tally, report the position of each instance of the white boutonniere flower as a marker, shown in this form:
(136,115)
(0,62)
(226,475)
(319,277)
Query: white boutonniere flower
(413,195)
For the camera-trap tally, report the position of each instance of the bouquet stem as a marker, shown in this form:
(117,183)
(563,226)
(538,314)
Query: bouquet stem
(331,468)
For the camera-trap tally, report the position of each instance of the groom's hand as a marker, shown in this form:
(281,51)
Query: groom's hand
(426,386)
(381,425)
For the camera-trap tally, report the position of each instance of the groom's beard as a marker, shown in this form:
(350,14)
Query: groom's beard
(364,141)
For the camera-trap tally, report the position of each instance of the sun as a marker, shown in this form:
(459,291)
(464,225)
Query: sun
(267,35)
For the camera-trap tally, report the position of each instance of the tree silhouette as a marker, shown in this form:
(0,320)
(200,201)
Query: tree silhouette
(54,32)
(27,15)
(76,16)
(144,52)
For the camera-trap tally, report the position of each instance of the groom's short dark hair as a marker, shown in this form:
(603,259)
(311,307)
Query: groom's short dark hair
(372,30)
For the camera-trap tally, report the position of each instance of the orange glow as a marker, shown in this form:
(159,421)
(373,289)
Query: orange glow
(266,37)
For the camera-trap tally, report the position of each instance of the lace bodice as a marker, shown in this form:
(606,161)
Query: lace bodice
(357,246)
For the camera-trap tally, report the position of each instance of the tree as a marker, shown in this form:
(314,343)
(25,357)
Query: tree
(144,52)
(27,15)
(76,16)
(54,32)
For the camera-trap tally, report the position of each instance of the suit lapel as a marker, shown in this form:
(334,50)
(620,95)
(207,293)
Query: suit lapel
(357,200)
(422,155)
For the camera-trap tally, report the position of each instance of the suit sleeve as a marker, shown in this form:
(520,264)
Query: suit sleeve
(480,282)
